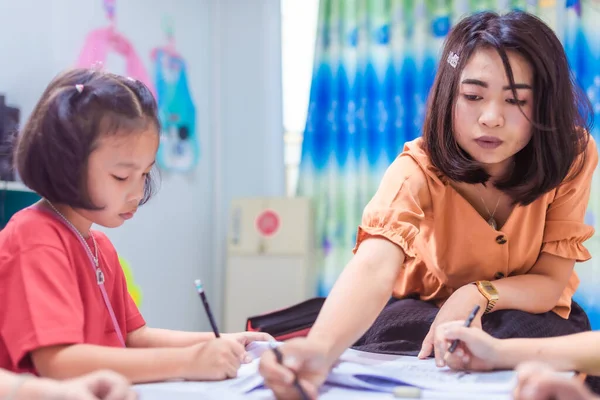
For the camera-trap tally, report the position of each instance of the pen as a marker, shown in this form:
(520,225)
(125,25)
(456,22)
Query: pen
(467,324)
(279,358)
(200,291)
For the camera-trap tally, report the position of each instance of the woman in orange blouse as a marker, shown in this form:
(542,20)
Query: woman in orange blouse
(495,194)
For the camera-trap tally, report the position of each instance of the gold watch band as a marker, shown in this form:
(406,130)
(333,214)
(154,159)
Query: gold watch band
(490,306)
(488,290)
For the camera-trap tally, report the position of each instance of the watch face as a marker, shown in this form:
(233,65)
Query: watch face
(488,287)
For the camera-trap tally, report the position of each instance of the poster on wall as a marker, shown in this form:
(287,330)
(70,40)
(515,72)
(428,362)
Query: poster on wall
(102,44)
(179,149)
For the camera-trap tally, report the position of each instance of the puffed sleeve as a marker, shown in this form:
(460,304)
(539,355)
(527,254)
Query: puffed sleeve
(565,229)
(396,210)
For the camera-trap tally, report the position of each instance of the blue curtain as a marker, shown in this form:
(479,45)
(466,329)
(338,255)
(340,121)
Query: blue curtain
(374,63)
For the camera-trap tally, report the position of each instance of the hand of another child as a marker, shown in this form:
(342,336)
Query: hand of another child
(99,385)
(302,359)
(103,385)
(458,307)
(476,351)
(539,382)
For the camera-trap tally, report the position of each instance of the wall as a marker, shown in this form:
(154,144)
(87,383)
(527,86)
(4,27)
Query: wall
(234,66)
(247,109)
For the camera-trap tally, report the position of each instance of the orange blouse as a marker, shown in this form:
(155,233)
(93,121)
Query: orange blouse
(447,243)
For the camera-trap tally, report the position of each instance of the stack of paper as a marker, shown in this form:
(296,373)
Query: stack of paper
(423,374)
(363,371)
(381,372)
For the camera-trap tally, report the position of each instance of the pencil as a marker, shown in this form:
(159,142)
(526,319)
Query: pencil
(279,358)
(211,319)
(467,324)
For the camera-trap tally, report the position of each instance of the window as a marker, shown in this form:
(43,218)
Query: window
(298,35)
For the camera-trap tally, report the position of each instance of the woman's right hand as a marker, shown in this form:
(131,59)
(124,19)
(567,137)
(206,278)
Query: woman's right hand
(302,358)
(214,360)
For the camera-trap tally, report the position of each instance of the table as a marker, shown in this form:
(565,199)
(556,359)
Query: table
(194,391)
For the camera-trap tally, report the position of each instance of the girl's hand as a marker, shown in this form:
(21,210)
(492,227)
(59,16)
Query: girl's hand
(215,360)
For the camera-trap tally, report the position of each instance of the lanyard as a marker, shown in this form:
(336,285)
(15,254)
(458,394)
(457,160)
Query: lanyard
(99,275)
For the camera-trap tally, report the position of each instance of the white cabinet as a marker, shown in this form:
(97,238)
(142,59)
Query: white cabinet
(270,264)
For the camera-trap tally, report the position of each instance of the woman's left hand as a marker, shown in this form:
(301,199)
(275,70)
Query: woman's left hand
(458,307)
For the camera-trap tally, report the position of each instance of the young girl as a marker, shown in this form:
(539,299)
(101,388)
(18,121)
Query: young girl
(487,208)
(88,150)
(99,385)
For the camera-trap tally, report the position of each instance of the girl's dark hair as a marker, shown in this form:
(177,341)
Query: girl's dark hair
(561,117)
(76,108)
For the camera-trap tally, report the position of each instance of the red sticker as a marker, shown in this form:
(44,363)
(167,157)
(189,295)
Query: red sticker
(267,223)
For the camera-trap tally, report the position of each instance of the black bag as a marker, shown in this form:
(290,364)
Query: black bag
(287,323)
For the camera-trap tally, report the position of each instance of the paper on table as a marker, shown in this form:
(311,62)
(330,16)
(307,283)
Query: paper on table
(369,371)
(247,379)
(341,393)
(380,372)
(383,372)
(423,374)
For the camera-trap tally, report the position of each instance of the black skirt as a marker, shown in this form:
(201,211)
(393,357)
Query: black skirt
(404,323)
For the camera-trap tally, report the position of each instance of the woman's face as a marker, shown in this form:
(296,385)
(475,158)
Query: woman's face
(489,123)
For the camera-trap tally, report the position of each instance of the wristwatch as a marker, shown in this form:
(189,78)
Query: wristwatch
(488,290)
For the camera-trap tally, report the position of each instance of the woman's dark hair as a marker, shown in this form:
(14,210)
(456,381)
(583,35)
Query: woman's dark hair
(76,108)
(561,117)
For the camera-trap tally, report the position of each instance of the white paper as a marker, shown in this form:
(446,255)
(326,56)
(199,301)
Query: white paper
(383,372)
(340,393)
(378,373)
(423,374)
(247,379)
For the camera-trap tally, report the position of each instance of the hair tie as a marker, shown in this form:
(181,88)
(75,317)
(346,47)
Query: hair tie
(79,87)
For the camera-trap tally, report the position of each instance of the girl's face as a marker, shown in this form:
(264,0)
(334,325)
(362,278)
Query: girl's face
(488,122)
(117,171)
